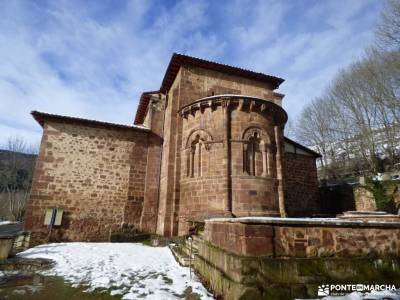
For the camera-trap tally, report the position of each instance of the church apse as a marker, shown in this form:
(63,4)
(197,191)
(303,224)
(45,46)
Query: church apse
(231,161)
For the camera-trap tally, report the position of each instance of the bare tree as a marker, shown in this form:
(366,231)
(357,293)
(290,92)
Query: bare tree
(313,129)
(381,74)
(290,129)
(16,173)
(355,125)
(348,91)
(388,30)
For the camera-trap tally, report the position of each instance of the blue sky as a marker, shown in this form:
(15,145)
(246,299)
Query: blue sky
(93,58)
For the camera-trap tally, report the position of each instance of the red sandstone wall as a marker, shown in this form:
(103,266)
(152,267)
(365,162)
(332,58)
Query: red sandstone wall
(304,241)
(169,188)
(253,194)
(191,84)
(203,190)
(203,83)
(148,221)
(95,174)
(301,185)
(207,159)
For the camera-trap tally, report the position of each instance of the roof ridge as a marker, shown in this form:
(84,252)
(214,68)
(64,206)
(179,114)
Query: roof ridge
(41,116)
(227,65)
(178,59)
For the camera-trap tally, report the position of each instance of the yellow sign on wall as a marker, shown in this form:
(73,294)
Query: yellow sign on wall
(53,216)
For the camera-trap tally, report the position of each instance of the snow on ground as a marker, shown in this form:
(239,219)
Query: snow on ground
(129,270)
(6,222)
(279,220)
(374,295)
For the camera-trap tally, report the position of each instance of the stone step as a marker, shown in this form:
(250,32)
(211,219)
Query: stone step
(187,246)
(181,257)
(186,251)
(195,246)
(181,251)
(197,240)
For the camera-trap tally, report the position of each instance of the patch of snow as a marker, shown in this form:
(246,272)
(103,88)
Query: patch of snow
(6,222)
(378,295)
(378,177)
(374,295)
(126,269)
(279,220)
(231,95)
(352,296)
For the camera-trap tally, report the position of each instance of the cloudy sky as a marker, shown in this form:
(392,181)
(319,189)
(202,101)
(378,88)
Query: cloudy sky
(93,58)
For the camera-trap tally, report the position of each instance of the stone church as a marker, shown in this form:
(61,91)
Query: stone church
(209,143)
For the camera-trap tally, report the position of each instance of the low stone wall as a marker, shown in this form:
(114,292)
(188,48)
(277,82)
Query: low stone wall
(304,238)
(279,258)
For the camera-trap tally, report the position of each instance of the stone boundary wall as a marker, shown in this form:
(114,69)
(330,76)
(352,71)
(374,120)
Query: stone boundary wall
(287,258)
(338,238)
(250,277)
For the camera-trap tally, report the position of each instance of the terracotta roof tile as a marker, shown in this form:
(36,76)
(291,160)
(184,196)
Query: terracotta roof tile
(180,59)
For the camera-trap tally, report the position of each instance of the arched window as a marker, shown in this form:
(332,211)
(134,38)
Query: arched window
(195,148)
(251,150)
(195,157)
(257,153)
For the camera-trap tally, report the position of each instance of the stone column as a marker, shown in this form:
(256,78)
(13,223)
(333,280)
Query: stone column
(269,160)
(265,171)
(188,161)
(198,160)
(228,199)
(245,158)
(191,165)
(251,158)
(279,169)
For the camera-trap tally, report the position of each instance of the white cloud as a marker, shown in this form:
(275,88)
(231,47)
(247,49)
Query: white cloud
(75,65)
(261,21)
(31,137)
(309,45)
(86,60)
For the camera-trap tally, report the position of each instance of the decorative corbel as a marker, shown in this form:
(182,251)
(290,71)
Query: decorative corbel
(192,110)
(240,107)
(252,104)
(263,107)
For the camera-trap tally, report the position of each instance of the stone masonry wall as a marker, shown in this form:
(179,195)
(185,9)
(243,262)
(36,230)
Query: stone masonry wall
(253,194)
(192,84)
(203,182)
(235,277)
(301,185)
(313,240)
(166,222)
(203,83)
(95,174)
(148,221)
